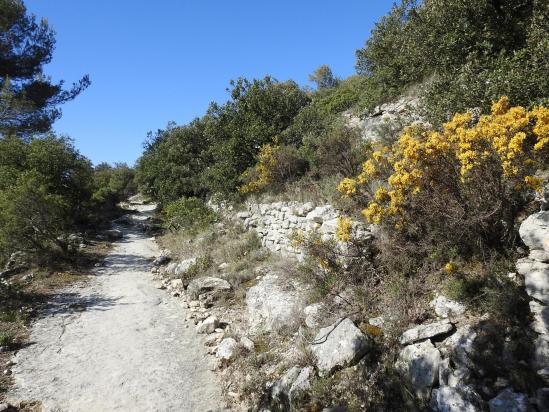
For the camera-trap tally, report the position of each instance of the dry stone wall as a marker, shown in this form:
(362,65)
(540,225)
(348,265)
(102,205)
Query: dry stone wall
(276,222)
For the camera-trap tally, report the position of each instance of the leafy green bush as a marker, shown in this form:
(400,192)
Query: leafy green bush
(6,339)
(173,162)
(275,166)
(258,112)
(190,214)
(45,192)
(338,151)
(465,53)
(112,184)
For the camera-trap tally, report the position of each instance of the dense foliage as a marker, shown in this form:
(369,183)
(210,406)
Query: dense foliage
(463,54)
(113,184)
(48,189)
(211,153)
(455,55)
(188,214)
(45,191)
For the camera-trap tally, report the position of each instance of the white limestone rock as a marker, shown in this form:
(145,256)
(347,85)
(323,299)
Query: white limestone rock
(509,401)
(314,315)
(460,346)
(447,308)
(427,331)
(534,231)
(274,303)
(208,325)
(456,399)
(247,344)
(226,350)
(338,346)
(184,266)
(419,364)
(302,383)
(207,284)
(541,317)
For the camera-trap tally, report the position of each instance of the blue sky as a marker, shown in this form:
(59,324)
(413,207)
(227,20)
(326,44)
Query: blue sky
(154,62)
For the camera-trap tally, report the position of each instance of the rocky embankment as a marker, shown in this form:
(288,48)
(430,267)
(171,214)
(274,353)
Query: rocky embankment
(444,360)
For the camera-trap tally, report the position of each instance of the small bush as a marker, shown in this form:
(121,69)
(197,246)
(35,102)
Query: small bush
(327,269)
(275,166)
(199,267)
(190,214)
(7,339)
(485,287)
(338,151)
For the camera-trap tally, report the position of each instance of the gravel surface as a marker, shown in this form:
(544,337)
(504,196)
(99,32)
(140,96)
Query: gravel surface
(117,344)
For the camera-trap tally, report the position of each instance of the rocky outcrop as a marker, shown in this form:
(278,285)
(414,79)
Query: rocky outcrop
(534,232)
(183,266)
(226,350)
(314,315)
(207,284)
(509,401)
(419,364)
(280,391)
(208,325)
(274,303)
(536,278)
(447,308)
(456,399)
(389,116)
(294,383)
(302,383)
(459,347)
(338,346)
(426,331)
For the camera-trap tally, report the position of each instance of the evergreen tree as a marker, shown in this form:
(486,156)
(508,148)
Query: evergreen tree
(29,99)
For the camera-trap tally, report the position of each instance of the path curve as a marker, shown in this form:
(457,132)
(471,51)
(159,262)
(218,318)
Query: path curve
(117,344)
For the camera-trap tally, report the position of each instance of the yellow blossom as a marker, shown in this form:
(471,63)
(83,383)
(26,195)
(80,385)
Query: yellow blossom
(450,267)
(347,187)
(533,183)
(344,227)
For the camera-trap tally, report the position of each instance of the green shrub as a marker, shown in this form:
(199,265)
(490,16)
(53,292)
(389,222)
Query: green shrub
(199,267)
(465,54)
(7,339)
(189,214)
(337,151)
(112,184)
(276,165)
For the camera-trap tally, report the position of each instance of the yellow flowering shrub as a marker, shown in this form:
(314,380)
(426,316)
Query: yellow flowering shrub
(348,186)
(297,238)
(276,165)
(469,171)
(263,170)
(344,227)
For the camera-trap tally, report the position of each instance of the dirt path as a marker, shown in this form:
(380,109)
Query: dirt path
(116,344)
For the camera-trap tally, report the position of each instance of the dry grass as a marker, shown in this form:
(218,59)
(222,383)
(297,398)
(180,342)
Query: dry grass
(231,252)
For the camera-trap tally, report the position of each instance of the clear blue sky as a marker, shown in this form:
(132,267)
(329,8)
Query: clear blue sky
(153,62)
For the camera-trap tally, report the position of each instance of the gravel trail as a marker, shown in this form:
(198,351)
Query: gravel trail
(116,344)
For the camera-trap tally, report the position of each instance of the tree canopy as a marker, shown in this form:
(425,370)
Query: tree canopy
(29,100)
